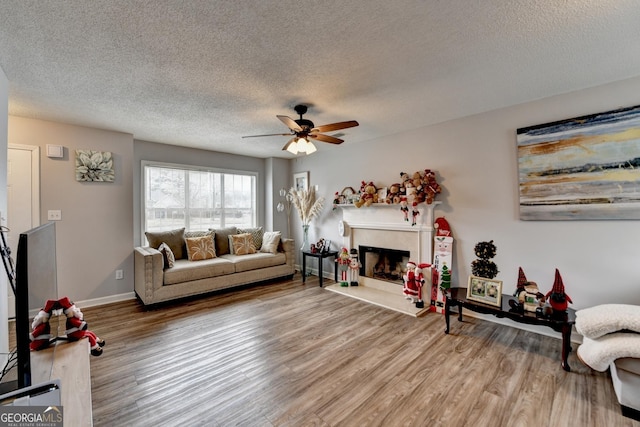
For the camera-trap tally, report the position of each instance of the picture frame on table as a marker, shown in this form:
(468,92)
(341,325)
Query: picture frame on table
(301,181)
(488,291)
(327,246)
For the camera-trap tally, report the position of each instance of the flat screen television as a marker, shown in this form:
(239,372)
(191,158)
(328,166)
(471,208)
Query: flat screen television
(35,283)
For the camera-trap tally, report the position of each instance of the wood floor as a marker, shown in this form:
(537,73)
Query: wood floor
(293,354)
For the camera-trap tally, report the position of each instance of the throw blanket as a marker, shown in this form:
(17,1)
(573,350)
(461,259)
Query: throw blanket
(605,319)
(598,354)
(610,331)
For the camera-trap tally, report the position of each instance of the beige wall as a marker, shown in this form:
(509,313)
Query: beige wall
(476,161)
(95,235)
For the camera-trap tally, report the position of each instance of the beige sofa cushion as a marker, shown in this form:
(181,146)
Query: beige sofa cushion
(270,242)
(184,270)
(173,238)
(222,239)
(200,248)
(256,235)
(243,244)
(256,261)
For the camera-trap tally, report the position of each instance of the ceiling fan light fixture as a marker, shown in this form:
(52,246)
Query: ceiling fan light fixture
(306,146)
(293,147)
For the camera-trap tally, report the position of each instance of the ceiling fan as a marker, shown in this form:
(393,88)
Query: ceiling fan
(303,131)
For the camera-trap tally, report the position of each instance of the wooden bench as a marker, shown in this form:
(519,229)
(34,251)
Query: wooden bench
(69,362)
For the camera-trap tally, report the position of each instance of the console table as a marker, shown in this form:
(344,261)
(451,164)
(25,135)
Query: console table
(559,322)
(321,256)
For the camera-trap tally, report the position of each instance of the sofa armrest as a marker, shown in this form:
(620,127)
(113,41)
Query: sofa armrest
(288,245)
(149,274)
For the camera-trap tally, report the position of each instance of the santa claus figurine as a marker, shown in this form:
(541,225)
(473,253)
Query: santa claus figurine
(410,288)
(77,328)
(41,330)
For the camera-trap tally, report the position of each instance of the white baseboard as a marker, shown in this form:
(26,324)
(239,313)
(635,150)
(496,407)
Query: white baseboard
(105,300)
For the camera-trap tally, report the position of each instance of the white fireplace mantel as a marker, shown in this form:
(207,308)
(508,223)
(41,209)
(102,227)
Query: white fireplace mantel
(383,225)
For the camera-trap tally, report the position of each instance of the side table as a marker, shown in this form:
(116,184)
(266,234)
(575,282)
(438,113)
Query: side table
(320,256)
(559,322)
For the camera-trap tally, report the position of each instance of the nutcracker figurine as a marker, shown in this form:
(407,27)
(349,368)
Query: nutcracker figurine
(354,268)
(343,266)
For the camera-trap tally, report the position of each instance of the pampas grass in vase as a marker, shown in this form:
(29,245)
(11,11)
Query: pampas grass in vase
(308,207)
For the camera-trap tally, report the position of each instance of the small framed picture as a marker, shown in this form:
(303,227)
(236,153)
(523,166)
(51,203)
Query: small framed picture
(382,194)
(327,246)
(301,181)
(484,290)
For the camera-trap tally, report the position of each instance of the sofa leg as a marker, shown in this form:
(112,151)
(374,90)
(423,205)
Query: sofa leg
(630,412)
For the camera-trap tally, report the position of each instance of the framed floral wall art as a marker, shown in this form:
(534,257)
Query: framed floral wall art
(94,166)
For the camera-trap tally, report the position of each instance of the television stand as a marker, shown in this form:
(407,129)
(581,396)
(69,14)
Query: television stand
(69,362)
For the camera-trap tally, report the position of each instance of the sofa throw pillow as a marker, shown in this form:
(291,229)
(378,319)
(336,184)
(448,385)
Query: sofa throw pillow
(167,255)
(243,244)
(270,242)
(173,238)
(256,235)
(199,248)
(230,236)
(222,239)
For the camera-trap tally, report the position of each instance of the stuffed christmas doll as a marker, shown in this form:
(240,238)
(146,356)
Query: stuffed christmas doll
(77,328)
(410,288)
(41,330)
(558,300)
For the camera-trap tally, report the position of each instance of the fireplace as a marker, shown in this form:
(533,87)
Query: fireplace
(383,263)
(385,243)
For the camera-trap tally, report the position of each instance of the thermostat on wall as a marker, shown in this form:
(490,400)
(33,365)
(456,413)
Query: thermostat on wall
(55,151)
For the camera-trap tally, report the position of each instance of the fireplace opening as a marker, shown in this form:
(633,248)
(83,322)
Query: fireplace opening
(383,263)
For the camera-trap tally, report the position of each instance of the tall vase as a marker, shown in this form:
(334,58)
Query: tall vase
(305,237)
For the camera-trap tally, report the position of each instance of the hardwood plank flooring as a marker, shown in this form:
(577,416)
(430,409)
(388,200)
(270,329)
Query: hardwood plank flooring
(293,354)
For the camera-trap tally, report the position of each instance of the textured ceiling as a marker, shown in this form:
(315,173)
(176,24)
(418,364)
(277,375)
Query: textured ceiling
(204,73)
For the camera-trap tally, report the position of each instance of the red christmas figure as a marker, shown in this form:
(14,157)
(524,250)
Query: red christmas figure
(41,330)
(410,288)
(558,300)
(77,328)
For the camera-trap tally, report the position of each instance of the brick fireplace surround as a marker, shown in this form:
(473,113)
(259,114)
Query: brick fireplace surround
(383,226)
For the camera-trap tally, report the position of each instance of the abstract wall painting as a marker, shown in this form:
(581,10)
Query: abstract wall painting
(585,168)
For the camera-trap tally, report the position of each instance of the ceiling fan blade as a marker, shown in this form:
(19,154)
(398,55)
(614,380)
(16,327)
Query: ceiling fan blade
(335,126)
(269,134)
(325,138)
(290,123)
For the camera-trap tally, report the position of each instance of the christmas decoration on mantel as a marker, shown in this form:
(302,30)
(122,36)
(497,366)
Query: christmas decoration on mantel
(411,190)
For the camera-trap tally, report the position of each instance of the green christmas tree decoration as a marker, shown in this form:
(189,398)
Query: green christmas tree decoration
(483,266)
(446,277)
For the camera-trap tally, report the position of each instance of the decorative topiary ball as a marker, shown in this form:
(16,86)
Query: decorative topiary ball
(485,250)
(483,267)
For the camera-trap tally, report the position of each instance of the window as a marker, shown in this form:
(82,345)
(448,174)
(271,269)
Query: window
(178,196)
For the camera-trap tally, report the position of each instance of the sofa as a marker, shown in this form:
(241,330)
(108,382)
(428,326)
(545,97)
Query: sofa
(611,340)
(177,263)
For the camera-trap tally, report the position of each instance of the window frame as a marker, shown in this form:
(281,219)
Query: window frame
(194,168)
